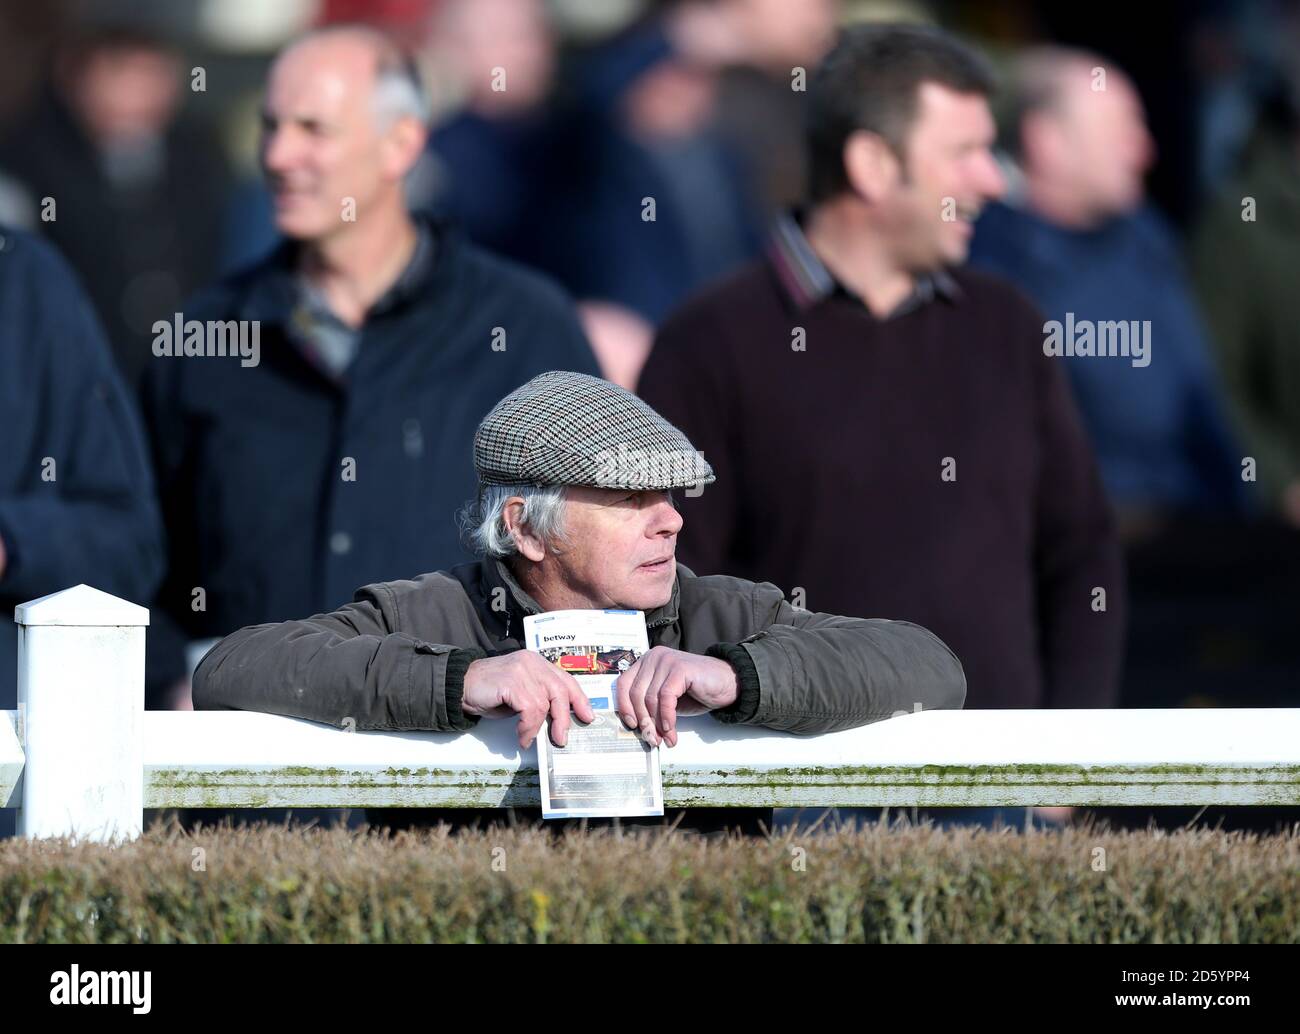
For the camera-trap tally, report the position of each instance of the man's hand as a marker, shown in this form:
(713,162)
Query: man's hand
(526,684)
(664,683)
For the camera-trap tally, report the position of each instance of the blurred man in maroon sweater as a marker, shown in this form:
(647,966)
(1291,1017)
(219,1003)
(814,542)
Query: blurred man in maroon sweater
(889,436)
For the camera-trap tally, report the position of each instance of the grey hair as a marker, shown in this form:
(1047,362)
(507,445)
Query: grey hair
(398,91)
(483,520)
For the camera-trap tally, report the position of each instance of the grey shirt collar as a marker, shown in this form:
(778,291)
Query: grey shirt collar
(326,340)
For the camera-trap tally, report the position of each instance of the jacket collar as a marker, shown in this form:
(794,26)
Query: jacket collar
(274,293)
(497,575)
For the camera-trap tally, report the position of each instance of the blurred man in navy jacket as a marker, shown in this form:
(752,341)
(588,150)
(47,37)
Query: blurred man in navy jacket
(334,450)
(1081,242)
(76,493)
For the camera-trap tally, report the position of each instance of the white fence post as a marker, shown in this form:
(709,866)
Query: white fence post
(80,715)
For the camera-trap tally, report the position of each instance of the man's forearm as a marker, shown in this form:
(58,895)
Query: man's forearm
(846,674)
(378,682)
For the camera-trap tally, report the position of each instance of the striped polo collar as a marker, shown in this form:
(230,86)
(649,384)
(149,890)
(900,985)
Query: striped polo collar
(806,280)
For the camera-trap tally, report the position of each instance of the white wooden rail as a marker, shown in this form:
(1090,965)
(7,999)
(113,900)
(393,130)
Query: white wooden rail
(81,757)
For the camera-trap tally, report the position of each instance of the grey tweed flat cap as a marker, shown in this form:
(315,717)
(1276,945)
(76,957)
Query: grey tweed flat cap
(564,428)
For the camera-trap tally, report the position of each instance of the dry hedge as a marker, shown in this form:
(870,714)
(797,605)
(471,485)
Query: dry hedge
(881,884)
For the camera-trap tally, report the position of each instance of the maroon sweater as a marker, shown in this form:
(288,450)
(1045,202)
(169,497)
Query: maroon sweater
(830,470)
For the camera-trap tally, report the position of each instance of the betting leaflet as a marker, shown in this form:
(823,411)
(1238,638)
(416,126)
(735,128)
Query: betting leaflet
(605,768)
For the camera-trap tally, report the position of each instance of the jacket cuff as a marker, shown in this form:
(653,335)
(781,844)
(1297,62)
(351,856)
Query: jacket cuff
(458,662)
(747,695)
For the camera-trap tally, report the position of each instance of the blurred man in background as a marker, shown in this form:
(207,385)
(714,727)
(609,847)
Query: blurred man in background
(340,457)
(1079,239)
(634,170)
(508,160)
(774,47)
(854,387)
(132,195)
(76,494)
(668,203)
(498,168)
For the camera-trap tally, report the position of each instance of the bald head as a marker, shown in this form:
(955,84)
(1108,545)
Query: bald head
(343,122)
(374,61)
(1079,130)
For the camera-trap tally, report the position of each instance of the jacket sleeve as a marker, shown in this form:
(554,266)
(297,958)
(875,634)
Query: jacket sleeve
(95,518)
(348,664)
(806,672)
(1077,553)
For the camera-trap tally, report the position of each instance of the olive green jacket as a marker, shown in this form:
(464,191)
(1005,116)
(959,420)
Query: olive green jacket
(395,657)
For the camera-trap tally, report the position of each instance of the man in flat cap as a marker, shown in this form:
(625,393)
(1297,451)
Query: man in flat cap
(574,511)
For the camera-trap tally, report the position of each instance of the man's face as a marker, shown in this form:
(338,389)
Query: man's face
(1104,149)
(949,174)
(619,548)
(778,34)
(127,94)
(321,143)
(476,36)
